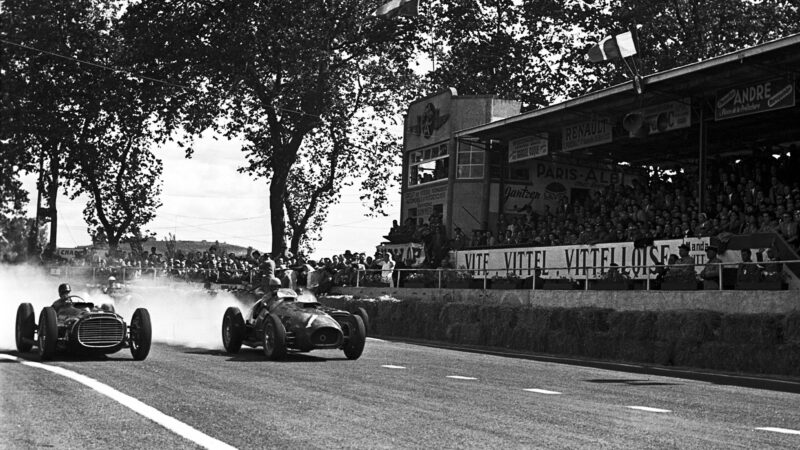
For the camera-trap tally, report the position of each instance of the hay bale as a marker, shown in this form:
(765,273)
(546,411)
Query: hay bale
(791,327)
(763,329)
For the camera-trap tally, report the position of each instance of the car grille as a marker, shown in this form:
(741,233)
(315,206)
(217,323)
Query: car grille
(326,337)
(99,332)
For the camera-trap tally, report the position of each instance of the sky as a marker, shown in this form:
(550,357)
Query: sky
(205,198)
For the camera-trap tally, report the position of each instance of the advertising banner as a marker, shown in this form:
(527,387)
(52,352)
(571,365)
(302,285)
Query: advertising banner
(586,134)
(551,184)
(668,116)
(411,253)
(754,98)
(527,147)
(577,261)
(424,199)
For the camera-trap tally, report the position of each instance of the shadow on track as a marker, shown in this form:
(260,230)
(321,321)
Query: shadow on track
(756,381)
(631,382)
(256,355)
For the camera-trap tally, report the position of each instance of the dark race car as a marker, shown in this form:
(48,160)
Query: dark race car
(80,327)
(283,322)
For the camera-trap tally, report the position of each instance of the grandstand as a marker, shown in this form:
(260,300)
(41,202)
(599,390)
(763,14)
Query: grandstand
(704,155)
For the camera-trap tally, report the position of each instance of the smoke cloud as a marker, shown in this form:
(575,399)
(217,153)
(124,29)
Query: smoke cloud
(181,313)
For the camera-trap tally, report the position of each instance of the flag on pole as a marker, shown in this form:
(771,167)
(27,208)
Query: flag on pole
(613,47)
(393,8)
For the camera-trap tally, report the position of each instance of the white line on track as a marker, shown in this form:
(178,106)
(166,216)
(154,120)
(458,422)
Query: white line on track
(543,391)
(375,339)
(459,377)
(170,423)
(779,430)
(648,409)
(389,366)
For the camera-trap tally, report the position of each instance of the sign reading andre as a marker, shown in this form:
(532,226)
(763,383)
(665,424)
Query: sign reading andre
(754,98)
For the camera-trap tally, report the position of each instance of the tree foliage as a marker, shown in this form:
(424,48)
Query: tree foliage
(89,123)
(286,77)
(534,50)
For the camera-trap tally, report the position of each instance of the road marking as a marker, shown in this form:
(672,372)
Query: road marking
(389,366)
(648,409)
(459,377)
(170,423)
(543,391)
(779,430)
(375,339)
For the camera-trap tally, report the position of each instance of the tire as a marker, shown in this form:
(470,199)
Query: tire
(361,312)
(232,330)
(26,327)
(354,346)
(274,338)
(48,333)
(140,334)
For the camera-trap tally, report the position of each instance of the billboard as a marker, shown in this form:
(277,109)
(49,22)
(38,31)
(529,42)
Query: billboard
(577,261)
(754,98)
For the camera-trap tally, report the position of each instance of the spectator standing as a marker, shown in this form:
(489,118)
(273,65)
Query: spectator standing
(711,271)
(387,269)
(747,273)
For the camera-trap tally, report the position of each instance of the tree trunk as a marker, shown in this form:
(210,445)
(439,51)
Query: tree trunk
(51,201)
(277,192)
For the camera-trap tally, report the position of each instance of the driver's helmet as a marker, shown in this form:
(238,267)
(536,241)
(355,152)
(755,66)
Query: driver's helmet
(64,289)
(274,283)
(112,279)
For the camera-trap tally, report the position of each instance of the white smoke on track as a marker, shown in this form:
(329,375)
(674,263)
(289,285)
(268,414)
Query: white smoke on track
(181,313)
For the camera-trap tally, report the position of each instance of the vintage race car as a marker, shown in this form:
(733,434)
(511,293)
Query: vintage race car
(81,327)
(287,322)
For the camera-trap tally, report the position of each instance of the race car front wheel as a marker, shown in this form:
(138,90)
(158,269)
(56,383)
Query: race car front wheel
(48,333)
(274,338)
(232,330)
(141,334)
(354,346)
(25,328)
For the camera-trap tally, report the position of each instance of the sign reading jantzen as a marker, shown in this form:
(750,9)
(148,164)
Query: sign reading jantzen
(754,98)
(586,134)
(577,261)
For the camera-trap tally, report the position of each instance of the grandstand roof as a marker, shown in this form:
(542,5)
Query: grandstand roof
(698,81)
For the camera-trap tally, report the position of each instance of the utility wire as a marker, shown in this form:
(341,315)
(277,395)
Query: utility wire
(133,74)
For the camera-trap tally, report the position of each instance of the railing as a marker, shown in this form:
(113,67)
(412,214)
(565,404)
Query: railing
(725,276)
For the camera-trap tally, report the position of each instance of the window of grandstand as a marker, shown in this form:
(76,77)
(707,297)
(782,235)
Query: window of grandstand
(470,161)
(428,165)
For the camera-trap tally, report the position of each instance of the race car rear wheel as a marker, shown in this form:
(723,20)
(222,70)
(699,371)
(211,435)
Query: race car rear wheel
(141,334)
(232,330)
(274,338)
(48,333)
(356,340)
(26,326)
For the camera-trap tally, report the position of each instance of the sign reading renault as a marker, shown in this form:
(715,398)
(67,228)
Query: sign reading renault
(586,134)
(754,98)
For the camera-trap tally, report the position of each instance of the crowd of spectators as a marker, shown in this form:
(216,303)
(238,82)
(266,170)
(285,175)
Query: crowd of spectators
(251,268)
(756,194)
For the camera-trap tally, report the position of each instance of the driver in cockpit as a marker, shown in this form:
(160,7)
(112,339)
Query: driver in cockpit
(267,299)
(64,290)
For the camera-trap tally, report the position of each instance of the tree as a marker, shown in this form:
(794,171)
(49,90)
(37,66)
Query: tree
(275,73)
(534,50)
(71,107)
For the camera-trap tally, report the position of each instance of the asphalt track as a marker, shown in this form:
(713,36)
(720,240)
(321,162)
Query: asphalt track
(398,395)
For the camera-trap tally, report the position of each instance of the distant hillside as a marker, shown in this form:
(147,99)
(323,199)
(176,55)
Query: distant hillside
(193,246)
